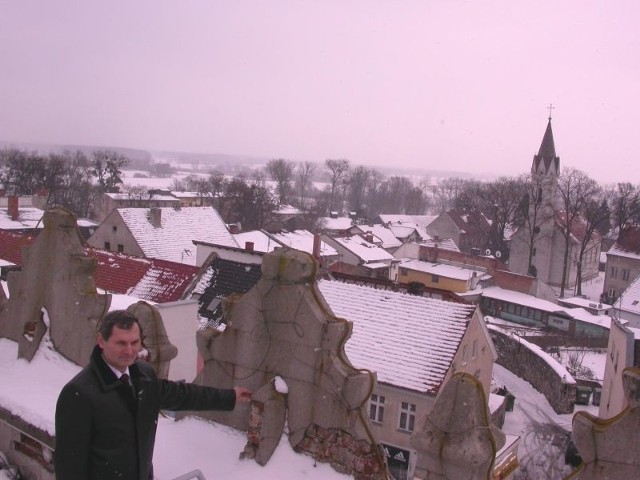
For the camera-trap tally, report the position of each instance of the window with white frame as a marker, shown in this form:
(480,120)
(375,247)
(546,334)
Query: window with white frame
(464,355)
(614,272)
(407,417)
(474,350)
(625,274)
(376,408)
(612,293)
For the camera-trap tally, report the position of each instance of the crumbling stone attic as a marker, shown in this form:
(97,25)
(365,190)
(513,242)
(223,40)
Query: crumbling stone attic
(283,329)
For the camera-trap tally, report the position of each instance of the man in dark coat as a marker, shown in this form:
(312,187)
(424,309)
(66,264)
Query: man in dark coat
(106,416)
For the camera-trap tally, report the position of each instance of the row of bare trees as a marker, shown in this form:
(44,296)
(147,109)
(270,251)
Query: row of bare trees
(70,179)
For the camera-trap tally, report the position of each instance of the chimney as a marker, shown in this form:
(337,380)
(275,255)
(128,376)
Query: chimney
(13,207)
(317,243)
(248,246)
(155,217)
(234,229)
(368,237)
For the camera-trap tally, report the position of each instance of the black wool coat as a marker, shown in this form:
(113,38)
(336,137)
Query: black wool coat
(106,431)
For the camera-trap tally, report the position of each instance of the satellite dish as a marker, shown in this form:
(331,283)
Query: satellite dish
(498,253)
(487,252)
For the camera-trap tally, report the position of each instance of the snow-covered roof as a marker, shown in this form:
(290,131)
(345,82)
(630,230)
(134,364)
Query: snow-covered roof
(288,210)
(385,236)
(174,239)
(544,305)
(447,271)
(261,241)
(521,299)
(157,197)
(340,223)
(367,252)
(585,303)
(28,217)
(615,250)
(87,222)
(150,279)
(402,231)
(409,340)
(186,195)
(629,301)
(303,240)
(442,243)
(587,317)
(419,221)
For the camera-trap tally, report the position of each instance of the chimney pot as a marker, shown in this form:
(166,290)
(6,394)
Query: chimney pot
(248,246)
(13,207)
(155,217)
(317,243)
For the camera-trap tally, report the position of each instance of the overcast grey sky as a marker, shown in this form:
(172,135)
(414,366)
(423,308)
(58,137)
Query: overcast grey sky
(451,84)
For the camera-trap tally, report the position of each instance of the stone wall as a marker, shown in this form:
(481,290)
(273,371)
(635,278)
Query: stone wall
(526,364)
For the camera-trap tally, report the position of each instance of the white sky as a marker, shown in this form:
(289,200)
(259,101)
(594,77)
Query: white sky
(458,84)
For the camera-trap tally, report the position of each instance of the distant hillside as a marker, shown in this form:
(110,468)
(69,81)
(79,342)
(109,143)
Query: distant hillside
(226,163)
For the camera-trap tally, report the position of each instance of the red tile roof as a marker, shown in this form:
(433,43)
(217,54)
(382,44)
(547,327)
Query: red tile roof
(11,245)
(154,280)
(150,279)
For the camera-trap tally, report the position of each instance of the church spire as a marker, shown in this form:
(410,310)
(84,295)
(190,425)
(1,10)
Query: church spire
(546,160)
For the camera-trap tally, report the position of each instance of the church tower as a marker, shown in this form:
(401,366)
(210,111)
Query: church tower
(543,205)
(545,170)
(532,246)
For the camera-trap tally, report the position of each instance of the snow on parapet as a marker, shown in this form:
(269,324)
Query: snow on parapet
(557,367)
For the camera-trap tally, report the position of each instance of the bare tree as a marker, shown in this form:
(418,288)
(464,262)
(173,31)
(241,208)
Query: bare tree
(336,171)
(305,172)
(76,192)
(394,193)
(415,201)
(625,205)
(446,192)
(594,215)
(248,202)
(357,187)
(20,171)
(574,188)
(502,203)
(107,168)
(281,172)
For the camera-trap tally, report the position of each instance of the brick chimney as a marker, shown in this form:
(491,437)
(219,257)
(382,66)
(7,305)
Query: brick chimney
(248,246)
(234,229)
(155,217)
(13,207)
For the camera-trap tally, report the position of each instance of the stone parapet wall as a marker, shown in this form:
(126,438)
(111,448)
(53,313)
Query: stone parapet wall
(526,364)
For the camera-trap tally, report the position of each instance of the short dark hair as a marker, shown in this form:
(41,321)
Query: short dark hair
(117,318)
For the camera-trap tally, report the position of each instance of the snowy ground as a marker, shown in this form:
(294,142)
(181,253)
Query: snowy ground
(543,432)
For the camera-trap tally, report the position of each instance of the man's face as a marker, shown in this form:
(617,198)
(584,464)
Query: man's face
(122,348)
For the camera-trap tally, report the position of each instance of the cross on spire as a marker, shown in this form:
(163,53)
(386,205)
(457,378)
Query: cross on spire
(550,107)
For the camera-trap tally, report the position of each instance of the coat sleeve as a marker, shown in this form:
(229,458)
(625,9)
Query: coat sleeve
(187,396)
(73,435)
